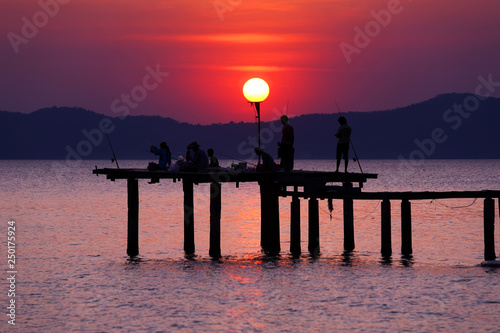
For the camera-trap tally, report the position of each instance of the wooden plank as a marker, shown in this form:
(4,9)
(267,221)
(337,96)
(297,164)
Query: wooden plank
(222,175)
(427,195)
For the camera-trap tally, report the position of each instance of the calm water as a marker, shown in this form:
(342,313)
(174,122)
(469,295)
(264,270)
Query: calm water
(73,273)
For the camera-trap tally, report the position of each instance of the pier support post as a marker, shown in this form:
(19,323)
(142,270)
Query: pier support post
(386,246)
(406,241)
(348,225)
(133,217)
(295,248)
(313,246)
(215,212)
(270,218)
(187,186)
(489,229)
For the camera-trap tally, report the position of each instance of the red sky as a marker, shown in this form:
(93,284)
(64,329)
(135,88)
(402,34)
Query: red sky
(94,53)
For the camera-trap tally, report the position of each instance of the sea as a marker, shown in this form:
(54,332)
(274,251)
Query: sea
(70,271)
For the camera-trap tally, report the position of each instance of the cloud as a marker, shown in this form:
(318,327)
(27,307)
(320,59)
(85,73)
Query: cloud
(247,38)
(236,38)
(257,68)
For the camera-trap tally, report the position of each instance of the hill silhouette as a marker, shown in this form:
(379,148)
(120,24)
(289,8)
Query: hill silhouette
(448,126)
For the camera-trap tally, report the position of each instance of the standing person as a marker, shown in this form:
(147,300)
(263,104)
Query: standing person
(286,150)
(165,156)
(198,160)
(344,136)
(214,162)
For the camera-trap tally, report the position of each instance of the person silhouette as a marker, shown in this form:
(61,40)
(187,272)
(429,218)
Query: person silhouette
(268,163)
(344,136)
(213,161)
(165,156)
(198,160)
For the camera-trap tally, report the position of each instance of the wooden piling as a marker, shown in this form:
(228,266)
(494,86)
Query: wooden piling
(270,218)
(386,238)
(133,217)
(295,247)
(348,225)
(215,214)
(264,226)
(489,229)
(406,241)
(313,245)
(187,186)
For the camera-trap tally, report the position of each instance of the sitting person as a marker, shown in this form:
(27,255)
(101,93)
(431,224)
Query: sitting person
(214,162)
(165,156)
(179,164)
(197,160)
(267,163)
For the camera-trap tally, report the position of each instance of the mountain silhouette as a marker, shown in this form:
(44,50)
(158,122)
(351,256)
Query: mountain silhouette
(459,126)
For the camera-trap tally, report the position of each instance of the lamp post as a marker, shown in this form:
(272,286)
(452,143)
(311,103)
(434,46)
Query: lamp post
(256,91)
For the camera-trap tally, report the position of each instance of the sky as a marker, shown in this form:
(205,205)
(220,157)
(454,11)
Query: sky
(189,59)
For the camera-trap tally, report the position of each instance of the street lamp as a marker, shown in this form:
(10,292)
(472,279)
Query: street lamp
(255,91)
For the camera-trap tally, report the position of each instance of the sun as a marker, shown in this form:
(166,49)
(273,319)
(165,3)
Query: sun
(256,90)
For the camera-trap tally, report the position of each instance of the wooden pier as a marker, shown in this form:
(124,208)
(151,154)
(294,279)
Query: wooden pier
(311,185)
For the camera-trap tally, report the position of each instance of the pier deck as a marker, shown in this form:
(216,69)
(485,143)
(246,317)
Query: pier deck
(313,185)
(224,175)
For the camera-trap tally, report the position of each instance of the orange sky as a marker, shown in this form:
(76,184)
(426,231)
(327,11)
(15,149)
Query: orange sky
(93,53)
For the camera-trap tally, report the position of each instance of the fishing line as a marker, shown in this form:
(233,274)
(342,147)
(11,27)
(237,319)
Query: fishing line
(233,158)
(324,211)
(373,211)
(111,146)
(331,209)
(454,207)
(352,145)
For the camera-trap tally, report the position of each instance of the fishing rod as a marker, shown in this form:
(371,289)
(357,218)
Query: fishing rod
(352,145)
(231,157)
(111,146)
(236,159)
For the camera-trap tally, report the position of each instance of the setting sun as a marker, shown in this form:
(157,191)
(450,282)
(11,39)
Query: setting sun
(256,90)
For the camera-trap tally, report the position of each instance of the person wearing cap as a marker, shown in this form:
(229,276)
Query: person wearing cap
(268,163)
(197,160)
(286,150)
(344,136)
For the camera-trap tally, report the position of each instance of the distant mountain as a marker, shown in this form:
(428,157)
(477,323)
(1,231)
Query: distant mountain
(447,126)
